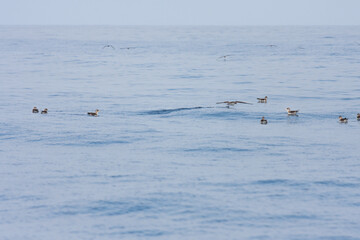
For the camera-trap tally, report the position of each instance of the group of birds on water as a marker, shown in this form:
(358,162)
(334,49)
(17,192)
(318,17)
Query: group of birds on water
(45,111)
(35,110)
(228,104)
(263,100)
(289,111)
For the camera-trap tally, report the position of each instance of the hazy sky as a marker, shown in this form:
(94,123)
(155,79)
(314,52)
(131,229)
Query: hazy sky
(181,12)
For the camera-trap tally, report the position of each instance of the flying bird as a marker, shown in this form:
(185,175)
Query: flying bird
(127,48)
(224,57)
(109,46)
(232,103)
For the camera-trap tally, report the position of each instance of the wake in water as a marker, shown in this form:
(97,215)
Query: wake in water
(167,111)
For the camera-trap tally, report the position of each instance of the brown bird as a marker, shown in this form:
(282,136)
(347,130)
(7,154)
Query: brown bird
(263,120)
(44,111)
(232,103)
(358,117)
(262,100)
(224,57)
(343,120)
(35,110)
(109,46)
(291,112)
(95,114)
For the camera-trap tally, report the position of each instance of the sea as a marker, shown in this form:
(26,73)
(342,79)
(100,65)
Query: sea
(165,158)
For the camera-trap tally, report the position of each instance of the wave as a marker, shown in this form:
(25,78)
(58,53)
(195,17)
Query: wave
(288,182)
(272,182)
(83,143)
(105,208)
(217,149)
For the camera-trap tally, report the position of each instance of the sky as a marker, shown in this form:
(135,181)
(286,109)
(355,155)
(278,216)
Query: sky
(180,12)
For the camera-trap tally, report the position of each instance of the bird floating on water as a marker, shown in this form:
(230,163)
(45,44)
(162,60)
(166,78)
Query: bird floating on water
(109,46)
(358,117)
(45,111)
(95,114)
(263,120)
(343,120)
(291,112)
(262,100)
(232,103)
(35,110)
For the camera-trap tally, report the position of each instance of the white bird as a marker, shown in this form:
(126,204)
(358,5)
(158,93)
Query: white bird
(291,112)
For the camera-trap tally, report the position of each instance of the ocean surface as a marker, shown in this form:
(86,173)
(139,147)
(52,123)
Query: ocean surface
(163,160)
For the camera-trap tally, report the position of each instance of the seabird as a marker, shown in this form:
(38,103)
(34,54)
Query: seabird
(35,110)
(108,46)
(291,112)
(224,57)
(232,103)
(44,111)
(262,100)
(95,114)
(358,117)
(343,120)
(263,120)
(128,48)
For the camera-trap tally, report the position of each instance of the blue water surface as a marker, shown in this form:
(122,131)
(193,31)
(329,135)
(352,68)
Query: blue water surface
(163,160)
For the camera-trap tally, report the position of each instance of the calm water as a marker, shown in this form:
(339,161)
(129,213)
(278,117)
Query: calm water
(163,160)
